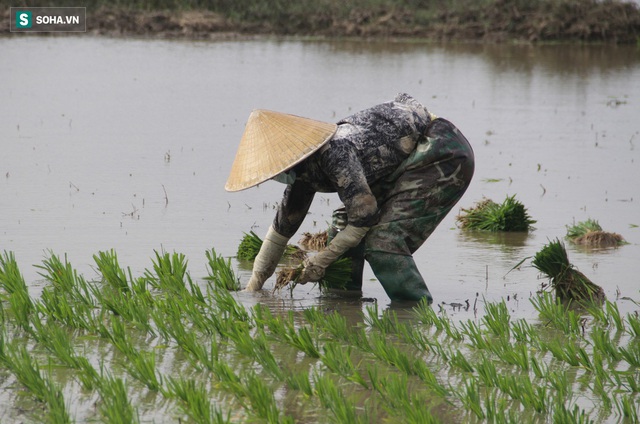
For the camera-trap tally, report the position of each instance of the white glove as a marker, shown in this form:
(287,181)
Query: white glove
(267,259)
(315,267)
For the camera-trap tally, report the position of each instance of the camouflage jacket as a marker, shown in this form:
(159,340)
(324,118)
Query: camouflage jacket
(366,147)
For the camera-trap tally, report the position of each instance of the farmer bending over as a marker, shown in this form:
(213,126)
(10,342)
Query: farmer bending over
(397,168)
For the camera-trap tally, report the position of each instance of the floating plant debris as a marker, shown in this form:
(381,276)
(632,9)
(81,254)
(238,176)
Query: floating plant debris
(250,246)
(590,233)
(488,215)
(569,283)
(316,241)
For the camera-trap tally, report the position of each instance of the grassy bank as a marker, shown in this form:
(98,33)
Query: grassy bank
(610,21)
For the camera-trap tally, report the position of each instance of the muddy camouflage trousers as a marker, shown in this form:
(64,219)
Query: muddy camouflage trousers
(413,201)
(421,192)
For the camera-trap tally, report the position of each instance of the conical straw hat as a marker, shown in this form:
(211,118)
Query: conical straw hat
(272,143)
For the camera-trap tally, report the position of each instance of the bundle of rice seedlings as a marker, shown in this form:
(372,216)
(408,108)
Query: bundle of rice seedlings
(317,241)
(590,233)
(251,243)
(488,215)
(569,283)
(249,246)
(336,275)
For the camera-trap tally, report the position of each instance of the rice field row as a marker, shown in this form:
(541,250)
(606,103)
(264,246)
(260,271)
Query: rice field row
(164,347)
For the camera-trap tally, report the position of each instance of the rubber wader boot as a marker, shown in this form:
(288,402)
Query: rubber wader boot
(354,287)
(399,276)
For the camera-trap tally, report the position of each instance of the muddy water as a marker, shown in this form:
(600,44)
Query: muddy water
(126,145)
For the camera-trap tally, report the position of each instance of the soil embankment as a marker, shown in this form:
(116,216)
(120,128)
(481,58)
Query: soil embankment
(494,21)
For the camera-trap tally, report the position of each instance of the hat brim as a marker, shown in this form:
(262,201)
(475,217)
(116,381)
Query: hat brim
(274,142)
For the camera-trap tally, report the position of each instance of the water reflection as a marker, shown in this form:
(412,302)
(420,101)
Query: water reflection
(572,59)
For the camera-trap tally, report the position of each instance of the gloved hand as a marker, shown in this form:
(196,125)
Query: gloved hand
(267,259)
(315,267)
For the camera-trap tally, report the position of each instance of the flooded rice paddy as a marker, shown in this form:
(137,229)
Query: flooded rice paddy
(126,145)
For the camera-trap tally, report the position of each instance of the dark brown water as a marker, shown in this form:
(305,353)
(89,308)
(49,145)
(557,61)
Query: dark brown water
(110,143)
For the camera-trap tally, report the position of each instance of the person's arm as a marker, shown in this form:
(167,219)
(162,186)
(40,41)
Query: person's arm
(362,212)
(291,212)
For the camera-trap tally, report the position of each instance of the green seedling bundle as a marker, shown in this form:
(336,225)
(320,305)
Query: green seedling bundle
(590,233)
(568,283)
(337,275)
(203,357)
(251,243)
(487,215)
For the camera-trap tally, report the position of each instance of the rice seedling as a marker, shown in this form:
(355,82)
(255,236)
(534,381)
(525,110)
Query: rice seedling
(614,315)
(169,274)
(300,381)
(285,330)
(338,360)
(336,276)
(469,395)
(263,355)
(503,368)
(336,325)
(387,352)
(488,215)
(569,283)
(559,381)
(474,335)
(634,325)
(109,267)
(627,381)
(602,342)
(524,332)
(27,372)
(334,400)
(221,272)
(226,305)
(315,241)
(496,409)
(627,407)
(17,294)
(249,247)
(590,233)
(487,371)
(520,387)
(195,401)
(132,309)
(496,318)
(142,366)
(66,280)
(189,341)
(459,361)
(56,306)
(56,340)
(568,352)
(116,406)
(631,354)
(251,243)
(248,346)
(576,415)
(387,323)
(417,337)
(540,369)
(263,403)
(400,402)
(512,354)
(450,329)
